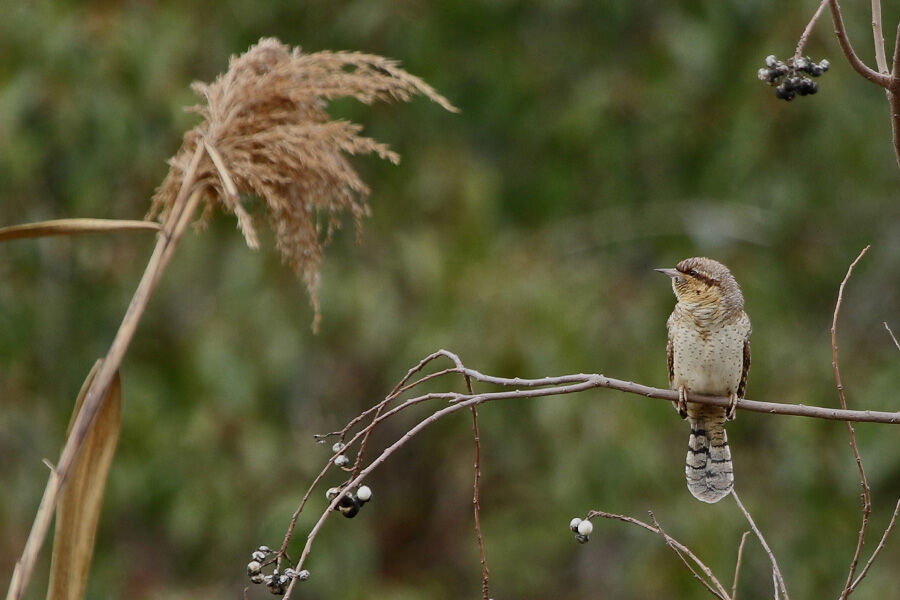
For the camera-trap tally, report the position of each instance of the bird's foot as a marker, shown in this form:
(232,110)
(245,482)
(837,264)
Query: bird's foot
(681,404)
(731,413)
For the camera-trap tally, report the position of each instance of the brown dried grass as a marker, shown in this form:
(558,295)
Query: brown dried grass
(267,133)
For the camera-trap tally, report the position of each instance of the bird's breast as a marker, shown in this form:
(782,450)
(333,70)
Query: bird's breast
(707,360)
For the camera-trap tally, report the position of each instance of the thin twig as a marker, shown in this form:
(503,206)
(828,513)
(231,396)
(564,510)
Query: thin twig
(878,34)
(891,333)
(377,419)
(762,540)
(804,37)
(575,383)
(720,593)
(878,548)
(680,549)
(95,395)
(398,389)
(895,68)
(866,494)
(355,481)
(891,523)
(740,557)
(476,494)
(858,65)
(476,504)
(893,96)
(357,465)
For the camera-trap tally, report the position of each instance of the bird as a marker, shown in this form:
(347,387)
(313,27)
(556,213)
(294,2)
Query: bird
(708,353)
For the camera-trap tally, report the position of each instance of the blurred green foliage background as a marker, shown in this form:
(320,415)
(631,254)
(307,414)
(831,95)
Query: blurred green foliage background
(597,140)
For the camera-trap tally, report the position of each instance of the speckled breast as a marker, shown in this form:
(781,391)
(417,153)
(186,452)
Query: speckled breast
(708,360)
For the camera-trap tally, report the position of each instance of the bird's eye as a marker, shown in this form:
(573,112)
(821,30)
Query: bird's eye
(692,272)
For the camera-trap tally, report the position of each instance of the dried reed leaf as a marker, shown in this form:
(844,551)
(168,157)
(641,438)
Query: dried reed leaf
(78,511)
(267,134)
(73,227)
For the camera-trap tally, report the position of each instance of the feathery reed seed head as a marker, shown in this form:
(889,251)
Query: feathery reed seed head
(266,133)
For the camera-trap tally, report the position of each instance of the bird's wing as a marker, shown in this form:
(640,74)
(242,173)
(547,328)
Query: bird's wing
(742,386)
(670,359)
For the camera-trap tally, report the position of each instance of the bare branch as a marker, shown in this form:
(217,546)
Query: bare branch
(476,494)
(866,494)
(878,34)
(893,96)
(568,384)
(740,556)
(375,463)
(891,333)
(878,548)
(680,549)
(399,389)
(476,504)
(762,540)
(893,520)
(804,37)
(895,69)
(858,65)
(670,542)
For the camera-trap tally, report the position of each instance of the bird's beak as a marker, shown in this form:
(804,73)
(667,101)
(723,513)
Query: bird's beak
(670,272)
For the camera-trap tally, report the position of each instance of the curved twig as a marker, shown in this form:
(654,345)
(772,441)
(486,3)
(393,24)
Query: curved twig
(715,588)
(878,548)
(804,37)
(866,493)
(878,35)
(858,65)
(776,572)
(891,523)
(737,564)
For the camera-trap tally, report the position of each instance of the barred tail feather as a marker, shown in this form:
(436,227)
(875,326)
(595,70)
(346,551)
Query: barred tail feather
(708,468)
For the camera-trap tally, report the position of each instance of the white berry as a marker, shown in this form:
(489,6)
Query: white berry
(574,523)
(585,528)
(364,493)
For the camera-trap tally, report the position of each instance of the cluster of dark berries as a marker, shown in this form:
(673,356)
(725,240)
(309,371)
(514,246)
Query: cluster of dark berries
(582,529)
(277,583)
(793,76)
(350,503)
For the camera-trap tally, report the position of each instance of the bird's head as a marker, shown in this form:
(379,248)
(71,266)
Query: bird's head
(701,281)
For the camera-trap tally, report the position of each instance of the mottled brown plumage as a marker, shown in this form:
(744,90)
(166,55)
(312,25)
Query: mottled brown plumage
(708,352)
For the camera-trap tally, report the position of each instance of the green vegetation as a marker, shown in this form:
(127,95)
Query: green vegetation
(597,140)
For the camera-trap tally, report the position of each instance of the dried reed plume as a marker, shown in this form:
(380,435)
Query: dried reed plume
(266,133)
